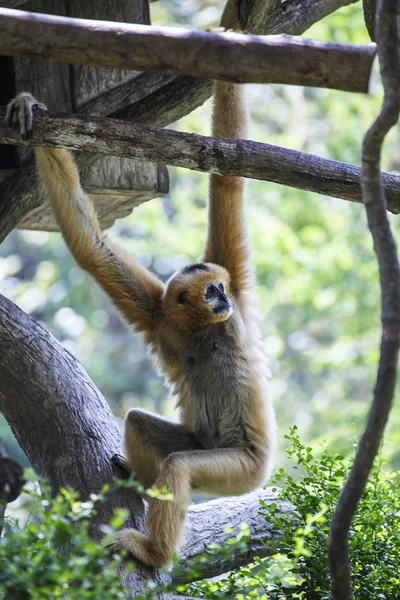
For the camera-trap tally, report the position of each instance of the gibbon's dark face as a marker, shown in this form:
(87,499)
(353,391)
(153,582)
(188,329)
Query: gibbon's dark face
(198,295)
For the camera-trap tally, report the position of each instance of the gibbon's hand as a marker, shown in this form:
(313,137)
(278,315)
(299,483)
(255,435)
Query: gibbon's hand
(19,113)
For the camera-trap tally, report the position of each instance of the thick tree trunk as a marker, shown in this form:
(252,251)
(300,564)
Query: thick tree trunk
(69,434)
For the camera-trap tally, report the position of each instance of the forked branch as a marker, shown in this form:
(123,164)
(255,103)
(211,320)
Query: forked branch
(389,271)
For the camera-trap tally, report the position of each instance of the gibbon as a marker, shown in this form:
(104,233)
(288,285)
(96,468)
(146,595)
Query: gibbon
(202,328)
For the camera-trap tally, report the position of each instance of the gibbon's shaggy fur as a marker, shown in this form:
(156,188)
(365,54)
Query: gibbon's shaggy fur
(201,326)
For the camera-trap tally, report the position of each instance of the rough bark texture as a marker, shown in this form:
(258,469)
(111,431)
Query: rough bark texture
(369,7)
(69,434)
(389,271)
(227,56)
(12,3)
(214,155)
(296,16)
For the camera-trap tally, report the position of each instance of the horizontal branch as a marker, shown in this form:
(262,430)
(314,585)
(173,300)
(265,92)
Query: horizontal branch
(207,522)
(179,95)
(170,97)
(227,56)
(214,155)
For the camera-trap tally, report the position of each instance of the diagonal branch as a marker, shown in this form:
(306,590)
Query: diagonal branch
(389,271)
(227,56)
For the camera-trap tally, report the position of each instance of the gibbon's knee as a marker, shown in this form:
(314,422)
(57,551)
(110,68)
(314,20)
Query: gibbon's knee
(141,452)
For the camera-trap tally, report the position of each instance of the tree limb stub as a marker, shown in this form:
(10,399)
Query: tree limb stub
(215,155)
(227,56)
(389,271)
(67,430)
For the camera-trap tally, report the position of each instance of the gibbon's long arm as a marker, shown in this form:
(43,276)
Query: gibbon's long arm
(134,291)
(227,242)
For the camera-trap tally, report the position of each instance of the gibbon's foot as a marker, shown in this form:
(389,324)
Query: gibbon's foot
(120,466)
(137,544)
(19,113)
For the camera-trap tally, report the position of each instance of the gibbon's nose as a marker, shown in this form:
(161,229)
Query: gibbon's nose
(214,293)
(223,298)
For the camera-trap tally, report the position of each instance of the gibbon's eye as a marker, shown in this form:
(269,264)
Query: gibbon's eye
(210,292)
(182,298)
(221,286)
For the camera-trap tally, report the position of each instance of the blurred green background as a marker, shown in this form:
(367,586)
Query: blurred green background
(317,273)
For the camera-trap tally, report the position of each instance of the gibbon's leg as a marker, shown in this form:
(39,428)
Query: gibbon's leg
(134,291)
(226,471)
(149,440)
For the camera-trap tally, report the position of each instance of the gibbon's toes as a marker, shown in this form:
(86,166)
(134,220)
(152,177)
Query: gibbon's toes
(139,546)
(19,113)
(120,466)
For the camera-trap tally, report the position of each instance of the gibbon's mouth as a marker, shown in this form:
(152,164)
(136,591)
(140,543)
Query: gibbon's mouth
(224,307)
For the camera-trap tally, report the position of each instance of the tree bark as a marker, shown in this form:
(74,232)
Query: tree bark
(69,434)
(293,17)
(227,56)
(11,3)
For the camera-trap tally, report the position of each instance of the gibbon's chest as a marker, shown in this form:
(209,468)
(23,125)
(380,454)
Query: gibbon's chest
(210,375)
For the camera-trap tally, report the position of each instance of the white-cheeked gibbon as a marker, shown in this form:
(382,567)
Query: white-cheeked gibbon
(202,328)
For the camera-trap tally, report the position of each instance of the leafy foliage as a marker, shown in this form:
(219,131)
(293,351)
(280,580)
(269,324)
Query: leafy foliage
(53,556)
(300,569)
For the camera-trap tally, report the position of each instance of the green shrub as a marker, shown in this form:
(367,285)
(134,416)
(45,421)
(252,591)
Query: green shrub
(300,569)
(33,565)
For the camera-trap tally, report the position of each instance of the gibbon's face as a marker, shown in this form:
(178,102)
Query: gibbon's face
(197,296)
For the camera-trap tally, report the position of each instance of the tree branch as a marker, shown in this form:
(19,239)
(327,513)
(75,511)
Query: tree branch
(214,155)
(171,97)
(228,56)
(294,17)
(369,8)
(389,271)
(69,434)
(183,94)
(207,522)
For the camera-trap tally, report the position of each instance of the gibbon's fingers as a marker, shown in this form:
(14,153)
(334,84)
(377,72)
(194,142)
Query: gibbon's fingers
(20,111)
